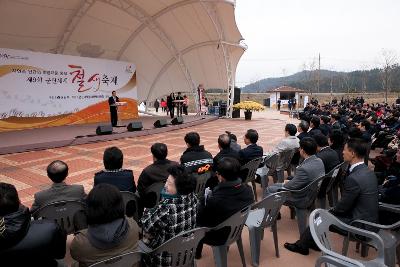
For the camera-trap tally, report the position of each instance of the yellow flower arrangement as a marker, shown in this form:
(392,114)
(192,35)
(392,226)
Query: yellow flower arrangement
(249,106)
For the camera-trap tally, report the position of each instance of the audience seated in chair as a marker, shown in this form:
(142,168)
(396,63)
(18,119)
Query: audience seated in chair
(109,232)
(225,149)
(195,156)
(156,172)
(310,169)
(176,213)
(302,128)
(234,145)
(227,198)
(57,171)
(336,142)
(314,125)
(325,126)
(359,199)
(24,242)
(290,141)
(365,128)
(328,156)
(252,150)
(330,159)
(113,173)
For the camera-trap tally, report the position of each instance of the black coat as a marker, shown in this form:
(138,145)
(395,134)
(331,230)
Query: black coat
(314,131)
(330,159)
(154,173)
(26,243)
(112,102)
(302,135)
(359,199)
(226,199)
(250,152)
(223,153)
(122,179)
(326,129)
(195,157)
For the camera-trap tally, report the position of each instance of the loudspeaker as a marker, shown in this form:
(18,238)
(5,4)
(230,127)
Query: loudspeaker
(160,123)
(135,126)
(104,129)
(177,120)
(236,99)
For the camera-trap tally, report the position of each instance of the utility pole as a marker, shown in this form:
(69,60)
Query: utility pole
(319,71)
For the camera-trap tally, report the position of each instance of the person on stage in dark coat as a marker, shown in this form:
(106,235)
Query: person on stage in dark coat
(227,198)
(359,199)
(112,100)
(171,105)
(179,106)
(113,172)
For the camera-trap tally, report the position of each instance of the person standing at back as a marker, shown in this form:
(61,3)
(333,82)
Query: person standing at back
(156,105)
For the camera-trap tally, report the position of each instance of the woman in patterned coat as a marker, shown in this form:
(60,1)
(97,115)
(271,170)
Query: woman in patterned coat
(176,213)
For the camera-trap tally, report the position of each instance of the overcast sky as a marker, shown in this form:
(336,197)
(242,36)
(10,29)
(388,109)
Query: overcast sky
(282,35)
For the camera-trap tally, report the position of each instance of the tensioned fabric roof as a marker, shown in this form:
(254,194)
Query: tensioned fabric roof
(175,44)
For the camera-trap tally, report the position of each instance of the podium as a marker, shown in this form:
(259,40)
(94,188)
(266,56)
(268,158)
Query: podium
(179,104)
(120,104)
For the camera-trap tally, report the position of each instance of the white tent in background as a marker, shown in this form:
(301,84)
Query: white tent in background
(175,44)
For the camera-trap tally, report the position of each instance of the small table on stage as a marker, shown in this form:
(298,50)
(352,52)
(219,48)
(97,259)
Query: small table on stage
(178,107)
(120,104)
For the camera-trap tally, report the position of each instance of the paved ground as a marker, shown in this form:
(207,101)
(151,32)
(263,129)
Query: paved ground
(27,171)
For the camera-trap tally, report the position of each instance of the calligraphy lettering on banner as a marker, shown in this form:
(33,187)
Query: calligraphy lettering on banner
(94,80)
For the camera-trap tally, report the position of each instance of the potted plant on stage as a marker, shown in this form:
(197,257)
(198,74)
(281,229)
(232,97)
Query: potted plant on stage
(248,107)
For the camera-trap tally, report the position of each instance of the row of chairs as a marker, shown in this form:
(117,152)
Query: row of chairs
(385,239)
(256,217)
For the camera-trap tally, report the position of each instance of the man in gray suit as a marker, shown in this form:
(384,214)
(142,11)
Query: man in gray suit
(57,171)
(359,199)
(290,141)
(310,169)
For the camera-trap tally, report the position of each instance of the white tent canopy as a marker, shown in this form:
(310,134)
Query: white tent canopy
(175,44)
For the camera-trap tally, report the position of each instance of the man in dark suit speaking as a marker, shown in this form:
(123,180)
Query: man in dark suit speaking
(112,101)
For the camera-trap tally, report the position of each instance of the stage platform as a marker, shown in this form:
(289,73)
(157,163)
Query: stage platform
(44,138)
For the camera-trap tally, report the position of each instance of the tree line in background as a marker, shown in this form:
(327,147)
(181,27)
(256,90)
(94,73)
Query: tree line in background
(375,80)
(385,78)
